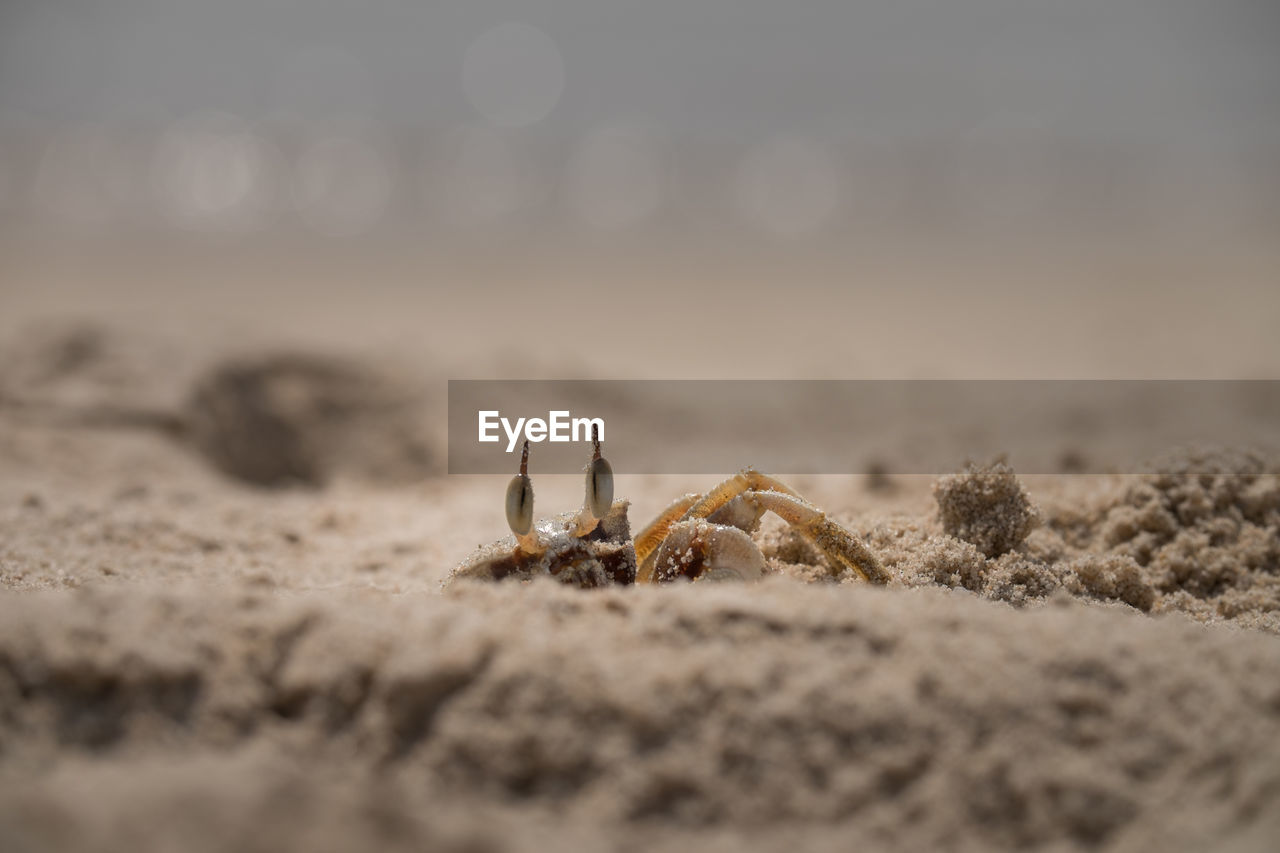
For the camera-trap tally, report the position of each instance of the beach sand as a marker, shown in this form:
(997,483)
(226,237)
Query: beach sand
(191,660)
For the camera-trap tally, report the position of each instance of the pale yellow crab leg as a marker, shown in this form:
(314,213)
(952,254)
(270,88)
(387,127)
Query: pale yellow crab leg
(648,540)
(746,480)
(699,506)
(828,537)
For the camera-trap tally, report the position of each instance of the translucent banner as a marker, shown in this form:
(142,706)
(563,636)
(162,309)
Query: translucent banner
(854,426)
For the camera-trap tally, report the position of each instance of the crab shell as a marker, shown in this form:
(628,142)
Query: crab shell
(603,557)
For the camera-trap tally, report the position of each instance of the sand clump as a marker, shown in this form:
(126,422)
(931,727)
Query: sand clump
(986,506)
(1205,528)
(1199,536)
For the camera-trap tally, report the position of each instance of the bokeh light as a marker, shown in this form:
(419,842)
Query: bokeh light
(513,75)
(213,173)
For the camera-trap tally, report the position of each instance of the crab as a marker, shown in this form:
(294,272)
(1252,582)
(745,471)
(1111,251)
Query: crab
(699,537)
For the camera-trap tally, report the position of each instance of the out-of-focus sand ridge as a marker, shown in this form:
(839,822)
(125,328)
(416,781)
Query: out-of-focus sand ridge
(515,717)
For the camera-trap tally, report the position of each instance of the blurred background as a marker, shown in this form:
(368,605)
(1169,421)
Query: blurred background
(941,188)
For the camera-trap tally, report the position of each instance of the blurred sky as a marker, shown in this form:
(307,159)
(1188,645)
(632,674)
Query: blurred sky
(1205,72)
(897,187)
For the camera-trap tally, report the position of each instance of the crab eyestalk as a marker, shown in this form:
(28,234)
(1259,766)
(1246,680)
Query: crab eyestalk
(520,506)
(599,488)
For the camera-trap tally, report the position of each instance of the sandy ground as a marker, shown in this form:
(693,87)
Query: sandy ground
(190,661)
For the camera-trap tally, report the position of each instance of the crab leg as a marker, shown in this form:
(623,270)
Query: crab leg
(828,537)
(648,540)
(746,480)
(699,506)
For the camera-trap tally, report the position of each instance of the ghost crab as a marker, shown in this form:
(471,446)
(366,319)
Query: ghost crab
(697,537)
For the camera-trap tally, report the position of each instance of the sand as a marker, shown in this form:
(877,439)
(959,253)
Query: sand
(517,717)
(208,647)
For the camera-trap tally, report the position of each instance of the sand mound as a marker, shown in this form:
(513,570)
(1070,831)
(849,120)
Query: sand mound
(291,419)
(764,716)
(268,419)
(1206,530)
(1201,536)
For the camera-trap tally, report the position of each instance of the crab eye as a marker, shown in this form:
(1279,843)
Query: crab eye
(520,504)
(599,487)
(599,479)
(520,498)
